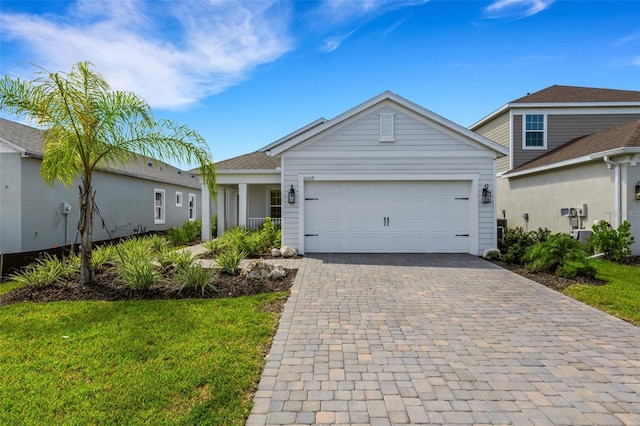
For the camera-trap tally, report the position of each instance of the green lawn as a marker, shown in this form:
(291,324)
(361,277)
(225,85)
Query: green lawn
(135,362)
(619,297)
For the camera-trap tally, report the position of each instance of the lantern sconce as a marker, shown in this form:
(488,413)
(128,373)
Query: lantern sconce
(638,191)
(292,195)
(486,194)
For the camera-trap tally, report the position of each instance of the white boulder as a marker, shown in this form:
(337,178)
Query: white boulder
(275,252)
(287,251)
(260,270)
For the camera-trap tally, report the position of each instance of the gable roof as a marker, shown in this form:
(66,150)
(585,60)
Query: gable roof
(617,139)
(284,144)
(253,161)
(28,141)
(568,96)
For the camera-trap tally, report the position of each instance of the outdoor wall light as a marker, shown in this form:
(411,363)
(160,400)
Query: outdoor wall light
(486,194)
(638,190)
(292,195)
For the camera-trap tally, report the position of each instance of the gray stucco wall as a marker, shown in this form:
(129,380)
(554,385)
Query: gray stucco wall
(126,204)
(10,205)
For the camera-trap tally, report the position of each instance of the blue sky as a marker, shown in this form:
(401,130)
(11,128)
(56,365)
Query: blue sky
(244,74)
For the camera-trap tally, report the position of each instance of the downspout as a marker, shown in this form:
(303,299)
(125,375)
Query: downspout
(618,189)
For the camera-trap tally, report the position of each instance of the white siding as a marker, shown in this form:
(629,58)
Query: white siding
(298,168)
(411,135)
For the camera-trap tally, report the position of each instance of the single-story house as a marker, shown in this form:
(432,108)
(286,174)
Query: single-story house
(573,159)
(385,176)
(141,197)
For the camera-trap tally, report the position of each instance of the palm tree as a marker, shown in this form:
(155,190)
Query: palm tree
(89,126)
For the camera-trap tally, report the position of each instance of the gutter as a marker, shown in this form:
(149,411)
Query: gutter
(618,189)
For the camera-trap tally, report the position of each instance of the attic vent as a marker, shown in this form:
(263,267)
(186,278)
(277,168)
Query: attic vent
(386,127)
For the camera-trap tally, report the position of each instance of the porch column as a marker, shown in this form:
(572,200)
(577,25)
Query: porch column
(242,205)
(221,208)
(206,212)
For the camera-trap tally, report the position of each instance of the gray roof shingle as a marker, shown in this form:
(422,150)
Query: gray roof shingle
(253,161)
(30,140)
(570,94)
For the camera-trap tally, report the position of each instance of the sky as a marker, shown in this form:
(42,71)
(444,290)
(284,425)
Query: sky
(246,73)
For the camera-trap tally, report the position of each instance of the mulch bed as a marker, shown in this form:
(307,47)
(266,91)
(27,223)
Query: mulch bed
(109,288)
(552,281)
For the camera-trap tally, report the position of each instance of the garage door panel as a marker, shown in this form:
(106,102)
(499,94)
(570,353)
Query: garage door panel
(400,217)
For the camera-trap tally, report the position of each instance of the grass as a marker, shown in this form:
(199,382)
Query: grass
(135,362)
(619,297)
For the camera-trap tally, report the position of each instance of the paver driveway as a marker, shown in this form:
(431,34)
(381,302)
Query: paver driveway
(452,339)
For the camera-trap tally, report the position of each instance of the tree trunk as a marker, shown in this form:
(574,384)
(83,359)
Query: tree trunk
(85,227)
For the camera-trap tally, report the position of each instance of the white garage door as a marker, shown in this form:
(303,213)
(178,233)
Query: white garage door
(387,217)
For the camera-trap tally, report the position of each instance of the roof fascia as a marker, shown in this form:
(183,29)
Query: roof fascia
(14,146)
(247,171)
(294,134)
(390,96)
(583,159)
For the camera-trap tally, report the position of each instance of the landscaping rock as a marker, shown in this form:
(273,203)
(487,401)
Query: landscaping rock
(491,254)
(275,252)
(260,270)
(287,251)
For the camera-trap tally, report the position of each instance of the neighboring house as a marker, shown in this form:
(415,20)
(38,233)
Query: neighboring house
(574,154)
(386,176)
(145,196)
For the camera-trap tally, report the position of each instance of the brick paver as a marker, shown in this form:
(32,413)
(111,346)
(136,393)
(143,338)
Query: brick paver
(442,339)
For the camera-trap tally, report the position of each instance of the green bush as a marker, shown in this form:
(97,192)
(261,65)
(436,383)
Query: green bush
(138,273)
(614,243)
(229,260)
(214,226)
(188,233)
(102,255)
(156,242)
(516,241)
(559,254)
(46,271)
(195,277)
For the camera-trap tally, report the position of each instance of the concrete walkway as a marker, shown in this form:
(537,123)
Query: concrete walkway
(443,339)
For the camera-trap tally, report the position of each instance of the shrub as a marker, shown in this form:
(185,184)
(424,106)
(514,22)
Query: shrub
(188,233)
(269,234)
(559,254)
(214,225)
(516,241)
(103,255)
(46,271)
(138,273)
(196,277)
(156,242)
(182,259)
(229,260)
(614,243)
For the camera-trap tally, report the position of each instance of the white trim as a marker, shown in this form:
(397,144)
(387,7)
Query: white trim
(247,172)
(398,101)
(524,131)
(268,189)
(163,206)
(511,143)
(192,209)
(474,238)
(178,199)
(577,160)
(293,134)
(14,146)
(242,205)
(255,179)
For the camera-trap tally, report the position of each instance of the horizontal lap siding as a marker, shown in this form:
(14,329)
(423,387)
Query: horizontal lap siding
(354,166)
(563,128)
(497,130)
(410,135)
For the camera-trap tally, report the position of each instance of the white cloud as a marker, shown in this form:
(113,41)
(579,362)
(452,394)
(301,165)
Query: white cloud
(516,8)
(332,43)
(137,46)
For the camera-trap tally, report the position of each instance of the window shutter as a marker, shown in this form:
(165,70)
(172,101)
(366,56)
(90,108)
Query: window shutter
(386,127)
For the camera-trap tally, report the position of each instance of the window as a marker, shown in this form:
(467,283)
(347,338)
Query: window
(158,206)
(192,206)
(386,127)
(275,204)
(178,199)
(534,132)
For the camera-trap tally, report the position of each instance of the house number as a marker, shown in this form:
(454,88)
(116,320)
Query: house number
(308,178)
